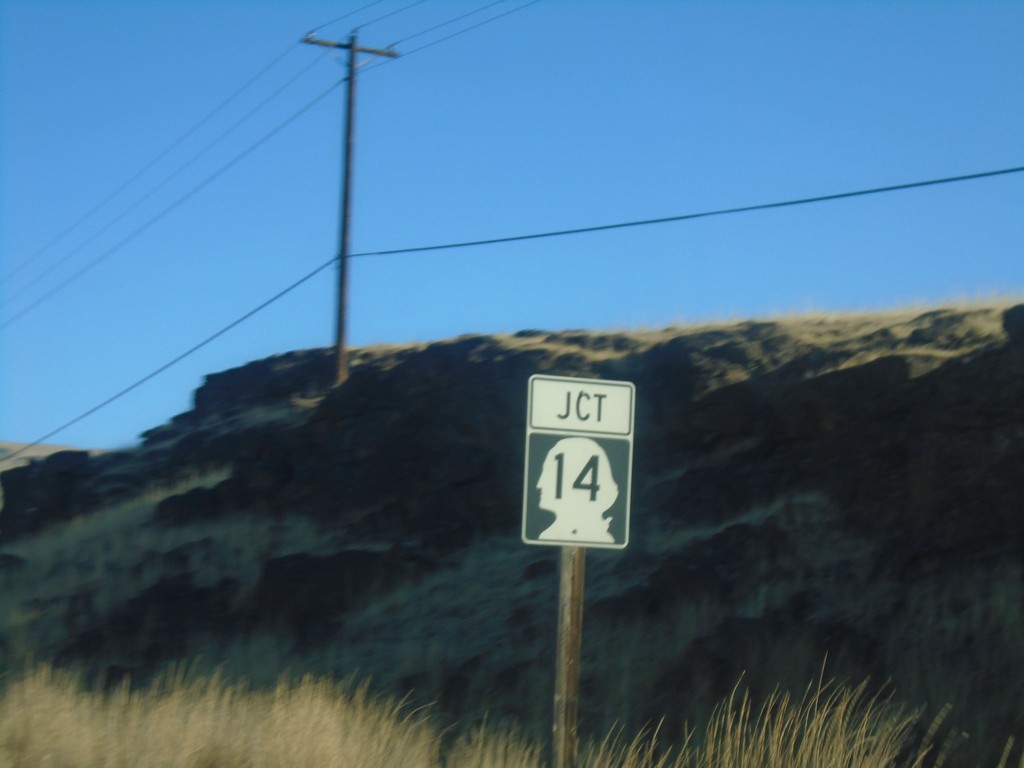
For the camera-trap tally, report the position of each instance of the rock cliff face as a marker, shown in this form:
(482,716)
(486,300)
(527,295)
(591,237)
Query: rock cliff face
(845,488)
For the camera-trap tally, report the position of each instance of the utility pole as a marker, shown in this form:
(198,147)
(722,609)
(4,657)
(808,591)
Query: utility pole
(341,370)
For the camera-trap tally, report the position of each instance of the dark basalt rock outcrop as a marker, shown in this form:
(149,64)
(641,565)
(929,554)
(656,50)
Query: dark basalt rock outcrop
(308,596)
(1013,323)
(801,489)
(46,492)
(156,624)
(306,373)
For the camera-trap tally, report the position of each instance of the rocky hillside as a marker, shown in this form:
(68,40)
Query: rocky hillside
(841,492)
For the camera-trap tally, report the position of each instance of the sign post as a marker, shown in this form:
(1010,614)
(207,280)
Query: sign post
(567,659)
(576,493)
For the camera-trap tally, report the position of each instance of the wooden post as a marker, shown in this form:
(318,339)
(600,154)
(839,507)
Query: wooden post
(567,665)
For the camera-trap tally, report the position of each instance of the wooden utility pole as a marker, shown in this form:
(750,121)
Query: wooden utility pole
(341,369)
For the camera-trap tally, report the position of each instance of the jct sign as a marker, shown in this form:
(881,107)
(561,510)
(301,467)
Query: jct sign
(579,457)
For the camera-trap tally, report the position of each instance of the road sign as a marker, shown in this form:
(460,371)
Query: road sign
(579,459)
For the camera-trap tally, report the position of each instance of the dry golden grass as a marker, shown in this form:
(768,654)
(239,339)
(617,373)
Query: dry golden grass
(828,727)
(48,719)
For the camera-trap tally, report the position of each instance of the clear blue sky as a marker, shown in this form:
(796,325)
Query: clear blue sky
(563,114)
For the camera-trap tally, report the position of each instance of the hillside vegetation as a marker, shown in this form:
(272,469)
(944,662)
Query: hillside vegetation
(823,490)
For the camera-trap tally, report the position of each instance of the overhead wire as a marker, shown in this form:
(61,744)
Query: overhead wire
(160,156)
(388,15)
(163,183)
(516,238)
(472,27)
(173,361)
(344,16)
(690,216)
(440,40)
(446,23)
(169,208)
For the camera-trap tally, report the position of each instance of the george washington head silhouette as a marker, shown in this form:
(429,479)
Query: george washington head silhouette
(576,484)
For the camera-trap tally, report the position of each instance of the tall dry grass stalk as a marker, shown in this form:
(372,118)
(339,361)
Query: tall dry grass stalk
(827,727)
(482,747)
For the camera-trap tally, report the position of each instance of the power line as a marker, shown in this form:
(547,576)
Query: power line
(174,361)
(345,16)
(150,222)
(516,238)
(446,23)
(700,215)
(470,28)
(163,183)
(388,15)
(173,145)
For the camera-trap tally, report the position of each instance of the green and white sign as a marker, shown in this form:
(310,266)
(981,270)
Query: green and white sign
(579,460)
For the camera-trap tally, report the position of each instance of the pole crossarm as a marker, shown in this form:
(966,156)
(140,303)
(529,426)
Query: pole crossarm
(348,46)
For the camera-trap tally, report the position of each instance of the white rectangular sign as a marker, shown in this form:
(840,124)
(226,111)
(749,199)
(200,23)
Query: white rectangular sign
(581,405)
(579,460)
